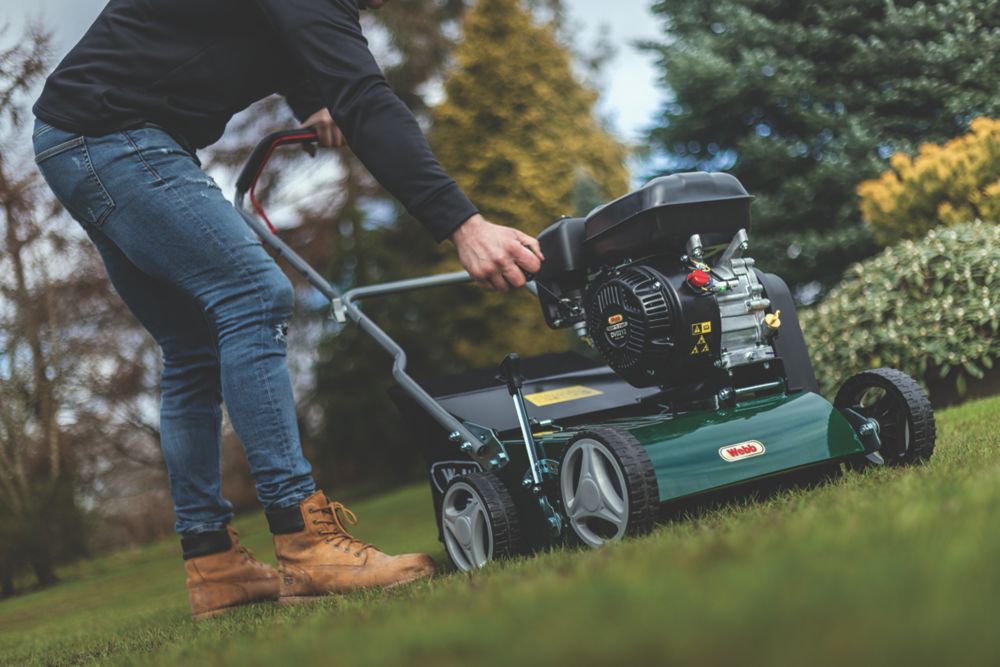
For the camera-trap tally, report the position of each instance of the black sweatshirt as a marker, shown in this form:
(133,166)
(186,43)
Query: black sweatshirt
(190,65)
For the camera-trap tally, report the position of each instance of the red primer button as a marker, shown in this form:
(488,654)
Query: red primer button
(698,278)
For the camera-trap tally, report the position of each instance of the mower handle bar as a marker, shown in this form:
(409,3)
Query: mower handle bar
(261,154)
(346,306)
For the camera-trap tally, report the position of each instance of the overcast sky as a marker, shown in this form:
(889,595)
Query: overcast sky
(629,97)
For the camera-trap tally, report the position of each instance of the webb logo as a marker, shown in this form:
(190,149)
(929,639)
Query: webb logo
(741,450)
(443,472)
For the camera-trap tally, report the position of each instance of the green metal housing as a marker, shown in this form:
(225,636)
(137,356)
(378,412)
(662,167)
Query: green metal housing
(689,452)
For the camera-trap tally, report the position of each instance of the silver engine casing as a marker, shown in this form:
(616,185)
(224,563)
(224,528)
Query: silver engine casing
(742,304)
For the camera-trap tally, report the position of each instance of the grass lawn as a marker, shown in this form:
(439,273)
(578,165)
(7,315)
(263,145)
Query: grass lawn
(888,566)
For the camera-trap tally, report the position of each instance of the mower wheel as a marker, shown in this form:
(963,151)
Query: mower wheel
(479,521)
(608,486)
(898,407)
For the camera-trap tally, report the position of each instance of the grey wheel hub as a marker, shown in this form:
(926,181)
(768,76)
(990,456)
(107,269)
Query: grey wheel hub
(594,494)
(465,523)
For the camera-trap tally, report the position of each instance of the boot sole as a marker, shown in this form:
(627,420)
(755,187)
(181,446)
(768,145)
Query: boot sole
(221,611)
(297,599)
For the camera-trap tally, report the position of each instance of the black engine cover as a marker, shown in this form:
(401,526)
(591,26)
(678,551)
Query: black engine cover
(652,327)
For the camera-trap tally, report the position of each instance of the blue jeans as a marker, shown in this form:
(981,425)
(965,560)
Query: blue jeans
(195,275)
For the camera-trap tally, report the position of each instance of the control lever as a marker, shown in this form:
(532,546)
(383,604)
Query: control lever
(510,374)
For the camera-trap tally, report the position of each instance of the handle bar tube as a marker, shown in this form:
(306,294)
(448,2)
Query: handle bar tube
(346,306)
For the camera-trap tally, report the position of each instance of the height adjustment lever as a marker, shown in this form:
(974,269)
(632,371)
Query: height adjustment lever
(510,374)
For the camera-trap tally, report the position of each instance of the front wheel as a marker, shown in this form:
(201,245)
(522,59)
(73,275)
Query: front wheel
(897,407)
(479,521)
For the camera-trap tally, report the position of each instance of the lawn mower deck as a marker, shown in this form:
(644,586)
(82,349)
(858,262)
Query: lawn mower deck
(705,382)
(689,453)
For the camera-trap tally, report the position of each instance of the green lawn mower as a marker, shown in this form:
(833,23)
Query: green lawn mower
(705,382)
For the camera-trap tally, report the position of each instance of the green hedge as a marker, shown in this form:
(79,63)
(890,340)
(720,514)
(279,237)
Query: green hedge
(929,307)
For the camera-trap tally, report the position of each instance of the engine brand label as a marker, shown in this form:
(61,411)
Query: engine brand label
(561,395)
(742,450)
(616,329)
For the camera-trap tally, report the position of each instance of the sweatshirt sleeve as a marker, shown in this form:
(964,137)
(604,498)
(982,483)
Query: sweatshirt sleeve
(302,97)
(324,38)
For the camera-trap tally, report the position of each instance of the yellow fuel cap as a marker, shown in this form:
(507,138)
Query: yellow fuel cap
(773,320)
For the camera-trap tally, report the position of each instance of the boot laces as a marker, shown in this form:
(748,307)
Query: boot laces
(335,515)
(242,550)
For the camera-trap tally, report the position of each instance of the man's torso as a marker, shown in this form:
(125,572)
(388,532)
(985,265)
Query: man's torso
(187,65)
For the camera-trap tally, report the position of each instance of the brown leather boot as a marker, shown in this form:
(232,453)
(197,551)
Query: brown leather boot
(317,556)
(228,578)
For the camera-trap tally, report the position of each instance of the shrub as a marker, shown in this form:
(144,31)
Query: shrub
(928,307)
(943,185)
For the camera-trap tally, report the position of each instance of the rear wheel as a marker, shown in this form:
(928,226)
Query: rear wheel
(479,521)
(608,486)
(898,408)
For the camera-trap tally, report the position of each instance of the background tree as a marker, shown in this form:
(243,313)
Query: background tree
(944,185)
(518,132)
(37,494)
(77,374)
(802,100)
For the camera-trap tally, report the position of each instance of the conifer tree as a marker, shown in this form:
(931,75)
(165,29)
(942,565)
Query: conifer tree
(803,100)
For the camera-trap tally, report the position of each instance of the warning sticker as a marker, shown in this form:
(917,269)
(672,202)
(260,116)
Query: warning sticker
(700,328)
(700,346)
(561,395)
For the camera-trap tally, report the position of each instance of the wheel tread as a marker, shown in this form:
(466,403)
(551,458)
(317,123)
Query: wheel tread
(923,428)
(640,476)
(504,521)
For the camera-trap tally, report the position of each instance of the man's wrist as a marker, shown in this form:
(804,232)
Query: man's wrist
(467,227)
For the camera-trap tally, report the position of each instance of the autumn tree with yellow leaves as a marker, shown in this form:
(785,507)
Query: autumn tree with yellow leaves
(947,184)
(519,133)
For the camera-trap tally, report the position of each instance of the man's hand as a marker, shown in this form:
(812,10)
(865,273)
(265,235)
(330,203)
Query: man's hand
(327,131)
(496,257)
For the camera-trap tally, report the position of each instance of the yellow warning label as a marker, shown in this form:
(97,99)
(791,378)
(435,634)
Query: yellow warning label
(701,328)
(561,395)
(700,346)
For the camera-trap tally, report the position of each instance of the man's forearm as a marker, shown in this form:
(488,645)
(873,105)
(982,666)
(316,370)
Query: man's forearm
(325,42)
(383,133)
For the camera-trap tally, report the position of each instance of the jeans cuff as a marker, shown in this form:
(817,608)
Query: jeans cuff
(185,530)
